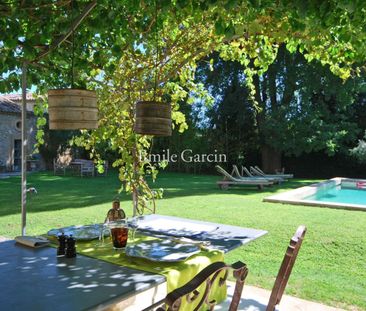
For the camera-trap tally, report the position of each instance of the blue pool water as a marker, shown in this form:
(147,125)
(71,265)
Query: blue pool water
(340,195)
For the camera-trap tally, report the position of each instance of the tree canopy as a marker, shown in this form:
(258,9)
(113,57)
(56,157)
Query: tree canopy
(122,46)
(303,108)
(331,31)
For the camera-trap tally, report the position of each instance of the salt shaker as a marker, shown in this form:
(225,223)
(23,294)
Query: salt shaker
(62,244)
(70,247)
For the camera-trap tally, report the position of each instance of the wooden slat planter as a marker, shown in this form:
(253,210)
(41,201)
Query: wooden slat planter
(72,109)
(153,118)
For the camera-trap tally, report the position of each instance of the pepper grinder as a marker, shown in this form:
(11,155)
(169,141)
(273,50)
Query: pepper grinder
(62,245)
(70,247)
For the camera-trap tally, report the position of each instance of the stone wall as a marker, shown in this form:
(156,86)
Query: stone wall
(10,130)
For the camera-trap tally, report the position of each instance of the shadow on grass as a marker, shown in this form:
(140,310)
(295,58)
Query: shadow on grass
(63,192)
(178,185)
(58,192)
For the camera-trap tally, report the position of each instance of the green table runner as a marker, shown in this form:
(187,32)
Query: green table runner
(176,273)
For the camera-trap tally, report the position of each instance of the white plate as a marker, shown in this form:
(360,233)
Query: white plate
(166,250)
(81,232)
(176,227)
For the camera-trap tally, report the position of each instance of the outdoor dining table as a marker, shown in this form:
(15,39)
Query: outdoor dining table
(101,278)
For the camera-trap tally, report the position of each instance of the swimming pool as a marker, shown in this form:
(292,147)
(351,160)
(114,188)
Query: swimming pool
(335,193)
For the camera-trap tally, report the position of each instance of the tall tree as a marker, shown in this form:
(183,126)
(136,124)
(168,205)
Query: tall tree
(230,120)
(302,107)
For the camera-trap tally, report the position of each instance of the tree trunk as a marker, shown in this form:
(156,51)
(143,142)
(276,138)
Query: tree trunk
(271,159)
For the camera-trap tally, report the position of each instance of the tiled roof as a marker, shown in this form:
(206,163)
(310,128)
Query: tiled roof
(17,97)
(8,105)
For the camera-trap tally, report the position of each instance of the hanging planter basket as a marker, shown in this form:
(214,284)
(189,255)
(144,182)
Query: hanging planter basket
(153,118)
(72,109)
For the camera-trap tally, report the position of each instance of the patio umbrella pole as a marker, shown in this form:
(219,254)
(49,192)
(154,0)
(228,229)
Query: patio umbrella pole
(24,148)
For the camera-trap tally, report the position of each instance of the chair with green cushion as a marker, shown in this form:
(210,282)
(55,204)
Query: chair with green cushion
(190,293)
(197,291)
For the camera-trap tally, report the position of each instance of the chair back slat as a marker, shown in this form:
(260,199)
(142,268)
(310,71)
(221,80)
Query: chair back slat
(286,268)
(246,171)
(256,172)
(259,170)
(236,172)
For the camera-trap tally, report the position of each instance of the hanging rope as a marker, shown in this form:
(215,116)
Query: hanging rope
(157,49)
(72,44)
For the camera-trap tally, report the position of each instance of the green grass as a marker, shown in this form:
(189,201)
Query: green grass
(331,267)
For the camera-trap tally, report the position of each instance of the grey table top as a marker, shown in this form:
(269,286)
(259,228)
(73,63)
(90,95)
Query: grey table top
(223,237)
(35,279)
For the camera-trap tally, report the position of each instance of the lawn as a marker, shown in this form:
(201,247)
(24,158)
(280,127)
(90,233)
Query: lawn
(331,267)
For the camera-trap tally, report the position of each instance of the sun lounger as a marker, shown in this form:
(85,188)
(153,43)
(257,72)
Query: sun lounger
(276,180)
(285,176)
(255,172)
(236,174)
(229,180)
(246,171)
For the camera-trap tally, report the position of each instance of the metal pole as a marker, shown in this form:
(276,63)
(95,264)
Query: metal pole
(24,147)
(135,196)
(74,25)
(135,202)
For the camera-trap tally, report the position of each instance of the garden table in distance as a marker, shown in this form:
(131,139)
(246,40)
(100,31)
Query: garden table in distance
(35,279)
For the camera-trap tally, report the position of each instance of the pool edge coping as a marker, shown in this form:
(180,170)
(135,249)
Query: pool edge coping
(287,197)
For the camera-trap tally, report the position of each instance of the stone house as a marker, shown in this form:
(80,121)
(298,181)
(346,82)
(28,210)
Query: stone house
(10,133)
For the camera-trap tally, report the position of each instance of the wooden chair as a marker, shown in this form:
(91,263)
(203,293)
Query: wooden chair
(58,167)
(86,168)
(286,268)
(190,292)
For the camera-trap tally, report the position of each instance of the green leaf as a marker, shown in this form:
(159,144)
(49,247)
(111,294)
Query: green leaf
(220,27)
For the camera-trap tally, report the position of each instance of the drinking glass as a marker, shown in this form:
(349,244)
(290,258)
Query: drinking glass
(118,231)
(133,223)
